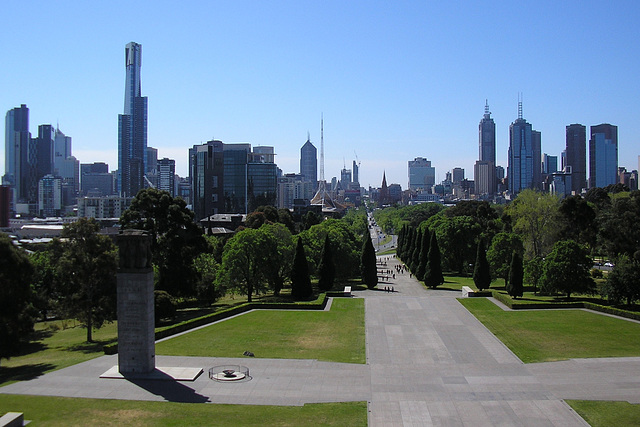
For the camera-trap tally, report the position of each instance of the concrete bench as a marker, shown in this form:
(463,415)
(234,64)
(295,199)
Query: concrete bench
(347,291)
(467,292)
(12,419)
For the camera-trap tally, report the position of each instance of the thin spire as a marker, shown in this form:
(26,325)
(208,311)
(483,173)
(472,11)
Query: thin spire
(520,105)
(486,106)
(308,136)
(321,146)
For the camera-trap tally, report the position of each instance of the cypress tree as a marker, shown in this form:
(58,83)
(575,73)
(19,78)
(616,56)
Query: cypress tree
(401,236)
(300,281)
(433,273)
(415,251)
(481,271)
(424,255)
(327,268)
(516,274)
(368,266)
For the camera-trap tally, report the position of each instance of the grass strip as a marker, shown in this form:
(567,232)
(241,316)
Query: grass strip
(549,335)
(336,335)
(62,411)
(604,414)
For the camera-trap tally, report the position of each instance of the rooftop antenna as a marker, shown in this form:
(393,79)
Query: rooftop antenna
(322,147)
(520,105)
(486,107)
(308,136)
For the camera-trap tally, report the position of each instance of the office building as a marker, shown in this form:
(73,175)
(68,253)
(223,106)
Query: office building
(520,171)
(110,207)
(17,142)
(484,173)
(422,176)
(603,155)
(309,162)
(576,155)
(96,180)
(457,176)
(61,150)
(166,171)
(132,127)
(536,142)
(549,164)
(49,196)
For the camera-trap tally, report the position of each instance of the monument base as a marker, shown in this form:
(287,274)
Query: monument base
(158,374)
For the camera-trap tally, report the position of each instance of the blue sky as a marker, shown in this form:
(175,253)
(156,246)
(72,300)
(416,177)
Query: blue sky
(395,80)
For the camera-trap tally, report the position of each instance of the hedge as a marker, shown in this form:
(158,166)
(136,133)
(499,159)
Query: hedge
(516,305)
(318,304)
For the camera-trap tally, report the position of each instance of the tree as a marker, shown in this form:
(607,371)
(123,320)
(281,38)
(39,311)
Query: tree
(243,262)
(566,269)
(326,268)
(45,280)
(15,297)
(481,270)
(500,253)
(578,220)
(368,265)
(424,255)
(516,274)
(623,282)
(176,239)
(279,257)
(535,218)
(456,237)
(433,274)
(300,281)
(533,272)
(89,262)
(208,287)
(619,231)
(414,260)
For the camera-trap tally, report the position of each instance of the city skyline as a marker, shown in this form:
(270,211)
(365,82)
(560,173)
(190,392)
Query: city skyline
(412,87)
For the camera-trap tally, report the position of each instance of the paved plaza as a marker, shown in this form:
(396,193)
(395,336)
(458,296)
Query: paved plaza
(429,362)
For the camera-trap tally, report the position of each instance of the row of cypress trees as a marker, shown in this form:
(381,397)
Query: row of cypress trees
(419,250)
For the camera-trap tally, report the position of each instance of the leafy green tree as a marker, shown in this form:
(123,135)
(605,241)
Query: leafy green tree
(414,261)
(619,231)
(433,273)
(578,220)
(89,261)
(176,239)
(500,253)
(481,270)
(566,269)
(45,280)
(457,237)
(310,219)
(326,268)
(535,218)
(533,270)
(424,254)
(345,246)
(623,282)
(15,297)
(300,281)
(285,218)
(516,274)
(279,258)
(243,262)
(165,306)
(208,287)
(368,265)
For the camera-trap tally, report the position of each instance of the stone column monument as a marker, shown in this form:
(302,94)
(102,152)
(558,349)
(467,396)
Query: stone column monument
(136,322)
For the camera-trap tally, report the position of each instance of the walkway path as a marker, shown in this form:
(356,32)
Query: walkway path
(430,362)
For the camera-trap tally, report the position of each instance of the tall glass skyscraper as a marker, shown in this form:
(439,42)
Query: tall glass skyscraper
(484,169)
(603,155)
(132,127)
(576,155)
(309,162)
(17,142)
(521,163)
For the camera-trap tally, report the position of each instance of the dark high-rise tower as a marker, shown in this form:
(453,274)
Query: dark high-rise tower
(603,155)
(521,162)
(17,142)
(576,155)
(484,169)
(132,127)
(309,162)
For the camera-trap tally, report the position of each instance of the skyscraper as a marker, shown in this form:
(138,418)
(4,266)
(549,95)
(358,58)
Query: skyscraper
(484,169)
(576,155)
(422,176)
(61,150)
(166,175)
(603,155)
(17,141)
(536,147)
(309,162)
(520,170)
(132,127)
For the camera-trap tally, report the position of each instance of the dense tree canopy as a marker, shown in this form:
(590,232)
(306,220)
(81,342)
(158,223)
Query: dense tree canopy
(15,297)
(516,275)
(176,239)
(244,261)
(457,238)
(481,269)
(433,273)
(623,282)
(327,267)
(535,218)
(500,253)
(300,281)
(88,264)
(619,231)
(566,269)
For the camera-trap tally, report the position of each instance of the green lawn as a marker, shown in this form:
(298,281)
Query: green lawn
(336,335)
(605,414)
(548,335)
(62,411)
(54,347)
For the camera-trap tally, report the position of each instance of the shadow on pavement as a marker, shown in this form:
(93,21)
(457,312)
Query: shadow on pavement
(170,389)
